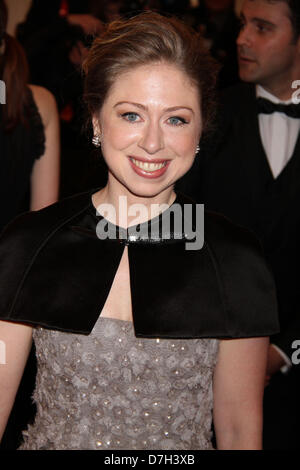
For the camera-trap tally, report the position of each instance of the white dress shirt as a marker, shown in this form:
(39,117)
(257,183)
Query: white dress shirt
(279,133)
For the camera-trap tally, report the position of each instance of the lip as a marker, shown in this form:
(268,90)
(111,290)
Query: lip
(245,59)
(147,160)
(148,174)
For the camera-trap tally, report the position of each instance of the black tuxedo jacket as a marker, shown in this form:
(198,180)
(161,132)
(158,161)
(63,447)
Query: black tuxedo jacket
(232,176)
(55,272)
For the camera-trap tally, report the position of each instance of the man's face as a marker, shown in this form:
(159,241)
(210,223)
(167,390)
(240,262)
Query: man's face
(267,51)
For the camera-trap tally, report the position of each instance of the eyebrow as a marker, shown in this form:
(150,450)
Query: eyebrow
(145,108)
(257,20)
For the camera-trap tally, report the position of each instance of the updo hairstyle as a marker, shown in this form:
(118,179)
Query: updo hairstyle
(144,39)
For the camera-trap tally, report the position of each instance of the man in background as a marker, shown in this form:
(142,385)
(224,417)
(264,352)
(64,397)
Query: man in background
(249,170)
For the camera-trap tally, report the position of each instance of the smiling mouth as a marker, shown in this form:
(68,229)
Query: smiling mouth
(147,166)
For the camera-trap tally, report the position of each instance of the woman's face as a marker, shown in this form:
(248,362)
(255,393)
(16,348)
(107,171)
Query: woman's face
(150,125)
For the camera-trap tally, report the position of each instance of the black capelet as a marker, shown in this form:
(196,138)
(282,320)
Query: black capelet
(55,272)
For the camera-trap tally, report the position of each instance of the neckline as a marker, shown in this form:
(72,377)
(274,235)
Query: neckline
(155,219)
(130,322)
(164,228)
(144,226)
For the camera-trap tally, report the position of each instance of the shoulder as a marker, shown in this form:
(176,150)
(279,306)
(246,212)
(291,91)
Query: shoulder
(235,105)
(232,268)
(32,228)
(22,244)
(245,278)
(233,260)
(233,247)
(220,231)
(237,97)
(235,92)
(45,103)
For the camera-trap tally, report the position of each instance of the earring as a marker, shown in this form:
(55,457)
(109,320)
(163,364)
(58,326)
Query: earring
(197,149)
(96,140)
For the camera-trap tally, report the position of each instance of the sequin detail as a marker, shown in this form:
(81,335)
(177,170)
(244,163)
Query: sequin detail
(111,390)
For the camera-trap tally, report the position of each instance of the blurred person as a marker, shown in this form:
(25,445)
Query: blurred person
(29,135)
(238,6)
(112,10)
(249,170)
(56,36)
(218,23)
(175,7)
(29,177)
(54,29)
(153,5)
(17,12)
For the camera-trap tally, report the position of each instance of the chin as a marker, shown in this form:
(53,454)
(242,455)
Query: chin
(148,190)
(248,76)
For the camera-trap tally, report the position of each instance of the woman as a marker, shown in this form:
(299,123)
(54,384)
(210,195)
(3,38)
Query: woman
(29,176)
(138,376)
(29,135)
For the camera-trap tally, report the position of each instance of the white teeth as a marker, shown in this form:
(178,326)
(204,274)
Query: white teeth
(148,166)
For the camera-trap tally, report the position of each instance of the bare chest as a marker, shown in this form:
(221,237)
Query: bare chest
(118,302)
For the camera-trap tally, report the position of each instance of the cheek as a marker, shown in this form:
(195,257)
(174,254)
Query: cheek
(185,145)
(116,135)
(262,47)
(275,63)
(276,51)
(116,138)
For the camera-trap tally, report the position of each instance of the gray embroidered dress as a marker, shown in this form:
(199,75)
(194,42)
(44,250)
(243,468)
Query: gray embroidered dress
(111,390)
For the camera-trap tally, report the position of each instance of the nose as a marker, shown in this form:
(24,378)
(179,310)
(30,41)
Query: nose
(152,138)
(244,37)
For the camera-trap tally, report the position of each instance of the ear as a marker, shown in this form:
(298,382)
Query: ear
(96,126)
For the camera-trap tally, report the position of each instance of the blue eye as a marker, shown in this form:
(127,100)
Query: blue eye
(131,117)
(177,121)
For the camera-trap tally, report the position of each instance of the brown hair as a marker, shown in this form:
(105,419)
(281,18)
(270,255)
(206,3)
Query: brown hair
(143,39)
(14,73)
(294,7)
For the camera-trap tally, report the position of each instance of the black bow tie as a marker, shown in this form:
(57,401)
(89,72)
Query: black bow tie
(267,107)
